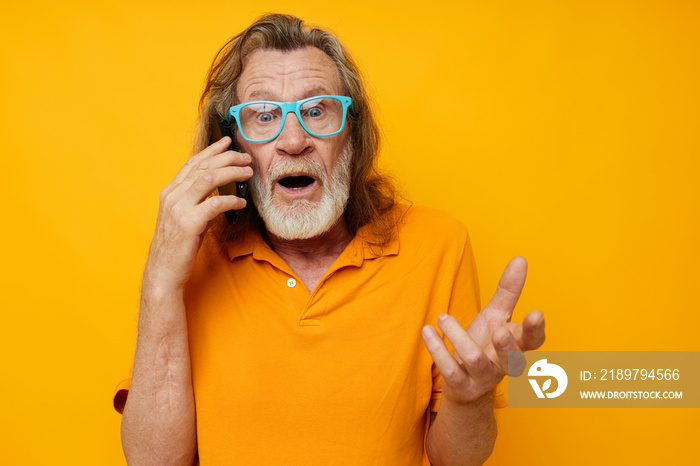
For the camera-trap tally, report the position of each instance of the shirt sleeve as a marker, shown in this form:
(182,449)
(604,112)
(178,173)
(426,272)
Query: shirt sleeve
(464,304)
(120,395)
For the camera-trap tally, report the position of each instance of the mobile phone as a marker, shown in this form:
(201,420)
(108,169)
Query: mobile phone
(238,188)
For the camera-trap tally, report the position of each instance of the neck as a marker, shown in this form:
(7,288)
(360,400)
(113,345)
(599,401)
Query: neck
(311,258)
(332,242)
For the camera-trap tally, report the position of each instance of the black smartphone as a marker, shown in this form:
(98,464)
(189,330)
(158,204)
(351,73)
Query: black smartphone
(238,188)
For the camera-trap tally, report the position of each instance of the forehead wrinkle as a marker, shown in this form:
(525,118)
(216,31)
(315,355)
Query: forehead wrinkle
(309,91)
(269,87)
(273,74)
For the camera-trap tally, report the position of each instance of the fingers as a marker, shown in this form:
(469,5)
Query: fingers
(511,358)
(470,372)
(210,179)
(449,368)
(211,172)
(500,309)
(214,149)
(475,369)
(223,159)
(512,339)
(184,206)
(211,208)
(509,288)
(532,334)
(192,212)
(204,172)
(473,358)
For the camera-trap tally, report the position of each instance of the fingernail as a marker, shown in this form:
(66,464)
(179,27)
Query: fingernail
(426,331)
(539,323)
(442,316)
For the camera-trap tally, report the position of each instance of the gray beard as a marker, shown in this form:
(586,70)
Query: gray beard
(303,219)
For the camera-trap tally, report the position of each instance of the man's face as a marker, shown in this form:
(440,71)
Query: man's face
(301,182)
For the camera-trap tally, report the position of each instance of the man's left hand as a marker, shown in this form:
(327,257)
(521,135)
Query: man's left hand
(481,359)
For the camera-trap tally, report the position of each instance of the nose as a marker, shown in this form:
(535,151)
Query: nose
(293,140)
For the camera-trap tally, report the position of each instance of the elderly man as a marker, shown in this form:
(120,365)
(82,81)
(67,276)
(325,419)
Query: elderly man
(302,333)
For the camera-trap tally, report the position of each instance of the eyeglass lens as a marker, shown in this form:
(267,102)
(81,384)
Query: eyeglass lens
(321,116)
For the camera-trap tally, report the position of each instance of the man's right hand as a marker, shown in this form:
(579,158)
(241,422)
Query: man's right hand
(186,211)
(161,380)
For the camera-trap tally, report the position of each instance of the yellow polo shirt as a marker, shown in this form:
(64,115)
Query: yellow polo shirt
(337,376)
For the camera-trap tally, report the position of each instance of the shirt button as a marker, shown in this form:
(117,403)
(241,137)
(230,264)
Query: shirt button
(291,283)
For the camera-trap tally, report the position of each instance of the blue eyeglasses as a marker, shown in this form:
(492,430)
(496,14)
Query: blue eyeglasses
(262,121)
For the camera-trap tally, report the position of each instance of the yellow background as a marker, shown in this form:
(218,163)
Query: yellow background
(563,131)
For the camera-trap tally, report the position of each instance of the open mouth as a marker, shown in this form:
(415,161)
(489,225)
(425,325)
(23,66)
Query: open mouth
(296,182)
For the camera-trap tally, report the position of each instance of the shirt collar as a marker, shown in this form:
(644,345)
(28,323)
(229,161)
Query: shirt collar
(362,247)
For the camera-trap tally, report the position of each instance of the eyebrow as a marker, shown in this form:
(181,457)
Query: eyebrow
(267,95)
(260,95)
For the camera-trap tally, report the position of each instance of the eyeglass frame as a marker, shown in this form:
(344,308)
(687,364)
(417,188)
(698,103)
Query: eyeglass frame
(292,107)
